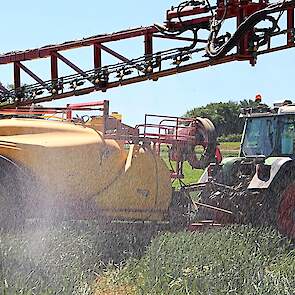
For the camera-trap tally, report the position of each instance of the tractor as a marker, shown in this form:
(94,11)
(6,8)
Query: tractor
(258,186)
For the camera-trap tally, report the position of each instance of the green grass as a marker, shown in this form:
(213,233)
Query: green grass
(225,146)
(47,261)
(228,149)
(62,259)
(80,258)
(234,260)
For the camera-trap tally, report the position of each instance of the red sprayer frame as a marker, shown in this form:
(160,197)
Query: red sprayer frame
(152,65)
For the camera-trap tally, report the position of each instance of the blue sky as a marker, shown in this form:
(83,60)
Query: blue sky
(32,23)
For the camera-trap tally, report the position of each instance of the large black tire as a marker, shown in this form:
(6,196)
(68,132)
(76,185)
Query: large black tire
(282,195)
(275,206)
(11,196)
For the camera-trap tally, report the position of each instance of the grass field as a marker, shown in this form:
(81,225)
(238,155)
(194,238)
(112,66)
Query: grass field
(233,260)
(238,260)
(226,146)
(82,259)
(63,259)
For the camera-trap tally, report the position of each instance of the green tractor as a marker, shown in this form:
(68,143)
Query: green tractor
(258,186)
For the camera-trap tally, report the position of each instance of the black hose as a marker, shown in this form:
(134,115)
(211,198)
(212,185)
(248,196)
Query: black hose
(184,28)
(243,28)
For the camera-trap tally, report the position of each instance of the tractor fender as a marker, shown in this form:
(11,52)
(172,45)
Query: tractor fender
(276,164)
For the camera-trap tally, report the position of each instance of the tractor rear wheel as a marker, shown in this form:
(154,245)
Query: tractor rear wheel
(279,204)
(286,211)
(11,196)
(276,206)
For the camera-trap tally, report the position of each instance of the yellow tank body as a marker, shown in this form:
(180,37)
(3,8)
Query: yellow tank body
(75,164)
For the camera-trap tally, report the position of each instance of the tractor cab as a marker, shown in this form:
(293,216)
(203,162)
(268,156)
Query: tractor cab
(269,131)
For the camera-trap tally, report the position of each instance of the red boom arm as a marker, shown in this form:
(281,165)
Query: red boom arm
(246,43)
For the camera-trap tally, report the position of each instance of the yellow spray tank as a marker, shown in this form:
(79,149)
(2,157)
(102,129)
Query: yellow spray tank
(77,169)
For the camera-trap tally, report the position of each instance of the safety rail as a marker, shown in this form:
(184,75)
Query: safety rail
(111,126)
(65,112)
(166,128)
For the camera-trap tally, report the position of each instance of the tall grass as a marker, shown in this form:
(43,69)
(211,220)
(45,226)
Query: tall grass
(81,258)
(62,259)
(234,260)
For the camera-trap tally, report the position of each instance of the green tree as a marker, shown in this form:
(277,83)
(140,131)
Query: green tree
(249,103)
(224,115)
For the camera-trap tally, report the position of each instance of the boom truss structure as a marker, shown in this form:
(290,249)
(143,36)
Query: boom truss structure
(257,26)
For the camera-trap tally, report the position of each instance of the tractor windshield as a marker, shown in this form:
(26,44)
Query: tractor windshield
(259,136)
(287,136)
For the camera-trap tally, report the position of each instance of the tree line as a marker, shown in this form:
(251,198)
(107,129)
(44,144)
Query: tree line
(224,115)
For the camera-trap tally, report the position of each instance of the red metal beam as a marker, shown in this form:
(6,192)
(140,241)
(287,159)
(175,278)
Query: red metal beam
(97,55)
(114,53)
(290,26)
(46,51)
(77,106)
(54,67)
(30,73)
(16,75)
(148,44)
(69,63)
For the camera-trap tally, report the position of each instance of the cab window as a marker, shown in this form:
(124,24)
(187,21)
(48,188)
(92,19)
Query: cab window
(287,136)
(259,137)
